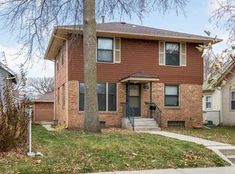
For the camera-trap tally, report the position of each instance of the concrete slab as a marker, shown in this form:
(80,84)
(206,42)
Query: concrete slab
(48,127)
(161,171)
(215,170)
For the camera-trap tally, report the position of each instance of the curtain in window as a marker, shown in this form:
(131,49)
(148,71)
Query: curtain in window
(112,97)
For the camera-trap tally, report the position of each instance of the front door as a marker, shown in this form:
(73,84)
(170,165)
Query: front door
(133,99)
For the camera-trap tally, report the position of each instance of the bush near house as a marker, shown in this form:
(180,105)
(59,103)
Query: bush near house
(13,120)
(76,152)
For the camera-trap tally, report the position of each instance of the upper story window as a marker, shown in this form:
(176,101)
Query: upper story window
(172,53)
(171,95)
(105,50)
(208,102)
(233,100)
(60,58)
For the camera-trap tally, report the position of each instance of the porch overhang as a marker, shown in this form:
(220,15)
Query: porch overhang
(139,77)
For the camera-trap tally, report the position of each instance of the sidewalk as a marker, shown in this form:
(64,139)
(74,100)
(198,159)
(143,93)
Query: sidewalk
(225,151)
(215,170)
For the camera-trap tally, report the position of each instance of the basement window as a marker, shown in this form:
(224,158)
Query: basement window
(176,124)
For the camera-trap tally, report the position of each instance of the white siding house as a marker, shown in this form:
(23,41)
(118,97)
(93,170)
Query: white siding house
(219,101)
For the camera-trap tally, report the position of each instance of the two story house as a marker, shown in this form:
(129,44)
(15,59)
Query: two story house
(136,66)
(219,97)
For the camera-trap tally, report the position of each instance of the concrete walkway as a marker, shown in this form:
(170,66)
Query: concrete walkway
(47,125)
(225,151)
(215,170)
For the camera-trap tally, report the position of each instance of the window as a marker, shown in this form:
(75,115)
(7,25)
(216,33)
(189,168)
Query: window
(81,96)
(105,50)
(233,100)
(57,63)
(172,53)
(171,95)
(101,92)
(208,102)
(176,124)
(106,97)
(63,96)
(112,97)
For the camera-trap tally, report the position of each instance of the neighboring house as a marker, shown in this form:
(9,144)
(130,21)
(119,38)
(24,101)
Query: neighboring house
(44,108)
(6,74)
(135,65)
(219,101)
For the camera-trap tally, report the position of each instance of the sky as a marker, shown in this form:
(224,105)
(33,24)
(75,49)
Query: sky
(193,21)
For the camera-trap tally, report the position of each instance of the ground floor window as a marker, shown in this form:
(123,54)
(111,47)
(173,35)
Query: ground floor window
(106,94)
(208,102)
(233,100)
(171,95)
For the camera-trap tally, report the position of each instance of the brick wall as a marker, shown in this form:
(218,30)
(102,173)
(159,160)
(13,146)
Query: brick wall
(190,109)
(190,100)
(75,120)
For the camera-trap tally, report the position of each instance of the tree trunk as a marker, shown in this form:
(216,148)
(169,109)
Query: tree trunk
(91,120)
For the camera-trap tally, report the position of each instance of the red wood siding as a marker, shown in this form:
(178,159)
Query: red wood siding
(139,55)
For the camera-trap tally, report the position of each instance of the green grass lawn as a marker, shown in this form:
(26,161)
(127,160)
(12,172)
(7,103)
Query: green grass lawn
(220,134)
(76,152)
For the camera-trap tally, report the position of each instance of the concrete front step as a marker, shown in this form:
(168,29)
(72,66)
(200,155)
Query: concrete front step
(141,124)
(147,129)
(146,124)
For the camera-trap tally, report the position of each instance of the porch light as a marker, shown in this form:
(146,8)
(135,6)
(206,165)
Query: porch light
(146,86)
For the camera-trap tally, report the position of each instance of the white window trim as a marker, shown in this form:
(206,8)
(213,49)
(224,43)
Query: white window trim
(183,53)
(114,50)
(180,53)
(208,109)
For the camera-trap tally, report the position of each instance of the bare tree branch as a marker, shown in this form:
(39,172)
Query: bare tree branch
(225,15)
(33,20)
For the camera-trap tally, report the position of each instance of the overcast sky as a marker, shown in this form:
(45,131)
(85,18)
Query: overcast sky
(194,21)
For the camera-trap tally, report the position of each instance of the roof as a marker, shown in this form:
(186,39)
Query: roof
(122,29)
(49,97)
(8,70)
(140,77)
(226,72)
(218,79)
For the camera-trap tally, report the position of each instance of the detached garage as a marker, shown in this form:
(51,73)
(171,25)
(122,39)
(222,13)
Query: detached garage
(44,108)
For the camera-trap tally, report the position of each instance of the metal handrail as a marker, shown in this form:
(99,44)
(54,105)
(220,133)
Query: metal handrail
(129,113)
(156,114)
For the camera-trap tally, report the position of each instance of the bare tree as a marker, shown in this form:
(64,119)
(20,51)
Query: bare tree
(34,19)
(41,85)
(225,15)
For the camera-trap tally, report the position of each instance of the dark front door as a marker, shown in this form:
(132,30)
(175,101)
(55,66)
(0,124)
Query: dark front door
(133,99)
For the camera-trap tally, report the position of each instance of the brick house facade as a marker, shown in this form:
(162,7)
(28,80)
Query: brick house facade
(176,85)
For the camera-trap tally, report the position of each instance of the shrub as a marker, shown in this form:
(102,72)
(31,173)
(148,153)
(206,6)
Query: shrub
(13,119)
